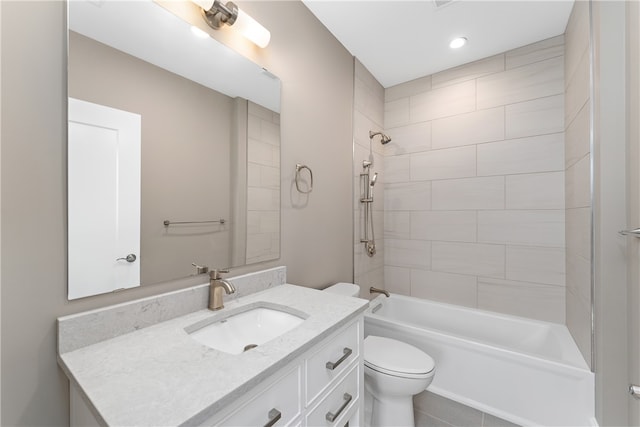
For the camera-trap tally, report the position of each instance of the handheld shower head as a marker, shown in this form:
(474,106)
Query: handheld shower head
(373,180)
(384,139)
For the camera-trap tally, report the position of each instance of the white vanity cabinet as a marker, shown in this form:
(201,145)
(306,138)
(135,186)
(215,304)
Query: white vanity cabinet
(324,387)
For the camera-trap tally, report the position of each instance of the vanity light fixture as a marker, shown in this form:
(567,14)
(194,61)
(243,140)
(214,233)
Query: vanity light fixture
(458,42)
(217,14)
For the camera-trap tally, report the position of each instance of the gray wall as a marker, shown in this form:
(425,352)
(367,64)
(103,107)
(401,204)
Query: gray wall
(317,88)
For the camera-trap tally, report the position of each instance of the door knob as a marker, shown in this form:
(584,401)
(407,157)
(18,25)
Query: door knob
(128,258)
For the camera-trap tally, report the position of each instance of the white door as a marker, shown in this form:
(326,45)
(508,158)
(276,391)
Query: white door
(633,197)
(103,156)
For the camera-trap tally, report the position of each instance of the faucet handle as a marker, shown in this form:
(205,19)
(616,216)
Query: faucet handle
(214,274)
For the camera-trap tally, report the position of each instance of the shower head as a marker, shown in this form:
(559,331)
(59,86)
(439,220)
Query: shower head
(384,139)
(373,180)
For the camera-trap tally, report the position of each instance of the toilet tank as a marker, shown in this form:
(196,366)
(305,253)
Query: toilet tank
(346,289)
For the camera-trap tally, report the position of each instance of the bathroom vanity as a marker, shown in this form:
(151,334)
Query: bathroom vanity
(150,370)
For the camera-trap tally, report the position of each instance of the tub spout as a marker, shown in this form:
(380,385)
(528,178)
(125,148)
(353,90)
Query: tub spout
(373,290)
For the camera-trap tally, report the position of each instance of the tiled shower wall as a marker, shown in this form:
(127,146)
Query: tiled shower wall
(368,115)
(263,184)
(474,184)
(577,186)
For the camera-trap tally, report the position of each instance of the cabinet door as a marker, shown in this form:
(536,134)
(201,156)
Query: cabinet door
(279,405)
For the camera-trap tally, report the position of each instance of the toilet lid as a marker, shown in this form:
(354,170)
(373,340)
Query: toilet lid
(396,357)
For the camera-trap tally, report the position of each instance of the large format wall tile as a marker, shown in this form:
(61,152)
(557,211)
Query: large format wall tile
(535,191)
(537,117)
(447,226)
(546,49)
(576,38)
(467,72)
(407,89)
(409,196)
(533,154)
(536,264)
(578,320)
(412,138)
(445,287)
(537,80)
(522,299)
(457,162)
(397,280)
(467,129)
(577,140)
(397,225)
(468,258)
(447,101)
(578,182)
(397,169)
(468,193)
(541,228)
(396,113)
(407,253)
(577,93)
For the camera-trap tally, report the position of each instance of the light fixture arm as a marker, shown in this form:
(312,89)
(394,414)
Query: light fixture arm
(220,14)
(217,14)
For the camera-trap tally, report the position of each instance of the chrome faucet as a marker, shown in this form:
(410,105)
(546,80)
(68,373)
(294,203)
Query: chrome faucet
(216,285)
(373,290)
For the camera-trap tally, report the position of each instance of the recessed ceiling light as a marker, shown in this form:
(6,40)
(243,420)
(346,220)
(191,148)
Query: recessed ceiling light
(458,42)
(198,32)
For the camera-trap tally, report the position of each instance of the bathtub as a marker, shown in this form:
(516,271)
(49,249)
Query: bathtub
(524,371)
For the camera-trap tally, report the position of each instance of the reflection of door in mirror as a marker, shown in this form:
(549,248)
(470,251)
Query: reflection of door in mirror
(103,199)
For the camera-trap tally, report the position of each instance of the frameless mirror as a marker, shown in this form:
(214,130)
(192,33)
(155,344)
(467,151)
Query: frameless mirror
(173,150)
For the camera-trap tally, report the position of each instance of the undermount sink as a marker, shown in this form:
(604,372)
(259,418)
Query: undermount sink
(240,332)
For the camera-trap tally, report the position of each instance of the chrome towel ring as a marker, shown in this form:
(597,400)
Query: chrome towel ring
(299,168)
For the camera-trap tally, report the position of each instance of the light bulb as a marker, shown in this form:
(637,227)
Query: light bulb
(205,4)
(251,29)
(458,42)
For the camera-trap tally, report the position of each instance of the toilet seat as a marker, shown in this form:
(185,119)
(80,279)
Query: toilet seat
(396,358)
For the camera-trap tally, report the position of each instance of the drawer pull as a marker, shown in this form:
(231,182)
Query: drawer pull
(274,416)
(333,365)
(332,417)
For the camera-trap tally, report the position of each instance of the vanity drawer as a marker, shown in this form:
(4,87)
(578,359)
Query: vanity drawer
(331,360)
(283,398)
(338,403)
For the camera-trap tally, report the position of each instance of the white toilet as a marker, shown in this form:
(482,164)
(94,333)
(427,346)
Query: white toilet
(394,372)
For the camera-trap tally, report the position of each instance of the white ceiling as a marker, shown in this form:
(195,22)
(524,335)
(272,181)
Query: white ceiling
(399,41)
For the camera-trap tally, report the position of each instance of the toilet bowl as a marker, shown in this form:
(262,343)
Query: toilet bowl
(394,372)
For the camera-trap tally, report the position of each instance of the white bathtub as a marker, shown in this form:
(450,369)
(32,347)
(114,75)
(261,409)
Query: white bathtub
(524,371)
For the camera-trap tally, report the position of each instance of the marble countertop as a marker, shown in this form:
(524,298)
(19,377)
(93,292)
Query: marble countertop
(159,375)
